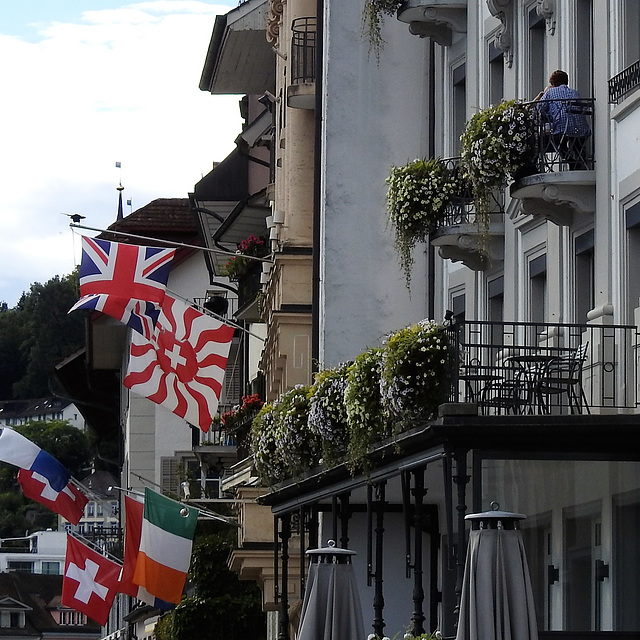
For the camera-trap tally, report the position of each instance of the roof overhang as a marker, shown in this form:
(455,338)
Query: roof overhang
(239,58)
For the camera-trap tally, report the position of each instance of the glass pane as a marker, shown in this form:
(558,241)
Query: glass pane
(580,535)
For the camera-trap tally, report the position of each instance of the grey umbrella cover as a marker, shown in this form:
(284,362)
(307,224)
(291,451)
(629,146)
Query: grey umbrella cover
(331,608)
(497,598)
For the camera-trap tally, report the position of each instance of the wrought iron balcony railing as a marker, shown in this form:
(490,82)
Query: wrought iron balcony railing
(303,50)
(624,82)
(462,209)
(563,142)
(521,368)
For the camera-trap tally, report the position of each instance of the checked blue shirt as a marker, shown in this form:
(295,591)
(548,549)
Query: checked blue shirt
(567,118)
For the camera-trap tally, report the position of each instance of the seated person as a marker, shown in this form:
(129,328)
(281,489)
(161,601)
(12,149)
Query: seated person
(562,108)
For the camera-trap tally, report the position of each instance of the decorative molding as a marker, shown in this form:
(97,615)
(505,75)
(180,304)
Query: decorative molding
(274,19)
(475,249)
(546,9)
(434,21)
(503,10)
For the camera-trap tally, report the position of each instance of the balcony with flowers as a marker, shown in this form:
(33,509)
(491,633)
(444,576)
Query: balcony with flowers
(559,183)
(245,268)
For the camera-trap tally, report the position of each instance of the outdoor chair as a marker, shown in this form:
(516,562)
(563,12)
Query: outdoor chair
(561,377)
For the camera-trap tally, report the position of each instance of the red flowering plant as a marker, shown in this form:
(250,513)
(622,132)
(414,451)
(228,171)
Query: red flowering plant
(242,413)
(237,266)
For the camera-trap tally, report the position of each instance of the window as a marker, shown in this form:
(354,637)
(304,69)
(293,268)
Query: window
(632,216)
(584,276)
(91,510)
(580,536)
(537,75)
(631,32)
(72,618)
(458,307)
(583,81)
(538,289)
(496,74)
(12,620)
(51,568)
(17,565)
(459,97)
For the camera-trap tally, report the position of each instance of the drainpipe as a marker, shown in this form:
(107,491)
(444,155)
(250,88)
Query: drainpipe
(315,293)
(431,111)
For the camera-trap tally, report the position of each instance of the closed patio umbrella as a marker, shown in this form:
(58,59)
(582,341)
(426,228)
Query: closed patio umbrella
(331,607)
(497,598)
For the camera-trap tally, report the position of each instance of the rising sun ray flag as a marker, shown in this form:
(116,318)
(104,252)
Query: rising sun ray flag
(165,546)
(69,503)
(90,581)
(21,452)
(126,282)
(134,512)
(182,366)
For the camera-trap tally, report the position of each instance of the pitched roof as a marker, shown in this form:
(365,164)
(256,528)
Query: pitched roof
(38,594)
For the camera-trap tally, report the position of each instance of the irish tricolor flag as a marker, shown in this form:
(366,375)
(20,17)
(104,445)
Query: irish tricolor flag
(165,546)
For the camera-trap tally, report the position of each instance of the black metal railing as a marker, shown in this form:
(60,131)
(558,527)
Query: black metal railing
(624,82)
(249,284)
(563,131)
(462,209)
(107,538)
(303,50)
(537,368)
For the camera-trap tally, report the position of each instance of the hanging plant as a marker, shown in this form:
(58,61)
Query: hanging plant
(237,266)
(372,18)
(363,405)
(265,447)
(415,372)
(496,145)
(327,413)
(417,198)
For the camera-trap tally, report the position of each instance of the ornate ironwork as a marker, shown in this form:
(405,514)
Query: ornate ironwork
(303,50)
(624,82)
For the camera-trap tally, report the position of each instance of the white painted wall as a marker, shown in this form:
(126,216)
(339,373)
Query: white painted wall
(378,110)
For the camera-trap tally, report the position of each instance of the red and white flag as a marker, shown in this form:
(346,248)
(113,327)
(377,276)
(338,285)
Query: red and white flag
(90,581)
(182,366)
(69,503)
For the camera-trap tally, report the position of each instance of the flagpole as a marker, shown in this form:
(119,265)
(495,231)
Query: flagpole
(180,245)
(231,323)
(95,547)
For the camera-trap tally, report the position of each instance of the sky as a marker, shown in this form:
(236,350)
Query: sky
(86,84)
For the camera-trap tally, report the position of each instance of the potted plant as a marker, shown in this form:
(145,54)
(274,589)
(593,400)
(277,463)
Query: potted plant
(496,145)
(415,372)
(417,197)
(363,406)
(238,266)
(327,412)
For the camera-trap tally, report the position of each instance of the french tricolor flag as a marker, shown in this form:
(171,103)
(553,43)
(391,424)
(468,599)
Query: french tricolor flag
(21,452)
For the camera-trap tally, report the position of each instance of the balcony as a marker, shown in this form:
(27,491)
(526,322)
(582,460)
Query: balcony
(625,82)
(436,19)
(302,90)
(560,184)
(545,369)
(464,236)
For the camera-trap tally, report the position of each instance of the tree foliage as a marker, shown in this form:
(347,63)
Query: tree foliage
(37,334)
(64,442)
(222,606)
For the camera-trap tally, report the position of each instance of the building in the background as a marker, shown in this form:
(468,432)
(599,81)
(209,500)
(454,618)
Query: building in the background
(19,412)
(537,283)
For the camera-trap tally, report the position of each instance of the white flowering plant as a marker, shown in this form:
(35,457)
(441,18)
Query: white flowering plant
(265,447)
(415,373)
(496,145)
(417,197)
(327,412)
(372,18)
(363,405)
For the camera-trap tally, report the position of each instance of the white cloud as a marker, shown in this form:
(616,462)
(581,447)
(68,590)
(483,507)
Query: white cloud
(120,85)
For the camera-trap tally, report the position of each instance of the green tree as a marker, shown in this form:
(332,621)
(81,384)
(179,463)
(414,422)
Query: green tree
(222,606)
(13,364)
(64,442)
(50,333)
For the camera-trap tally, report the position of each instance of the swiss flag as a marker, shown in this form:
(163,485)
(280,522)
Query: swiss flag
(69,502)
(90,581)
(132,531)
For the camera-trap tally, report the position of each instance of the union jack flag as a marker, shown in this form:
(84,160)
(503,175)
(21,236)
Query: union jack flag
(126,282)
(182,366)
